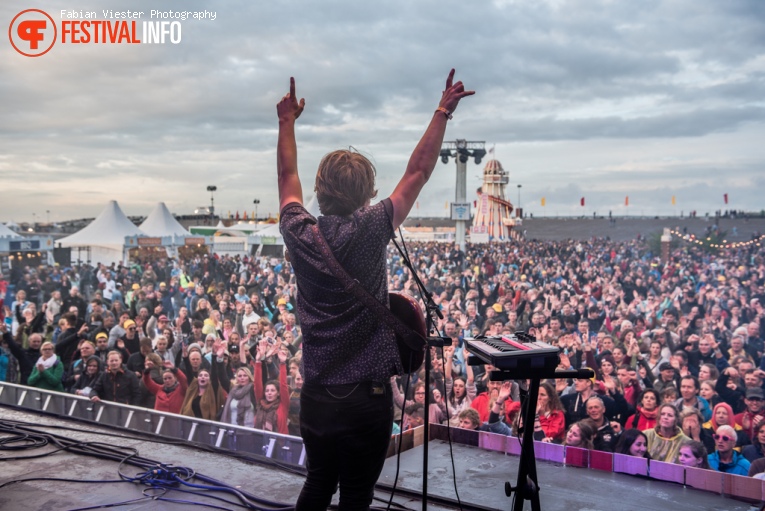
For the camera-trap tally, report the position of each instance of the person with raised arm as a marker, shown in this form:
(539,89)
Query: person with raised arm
(349,353)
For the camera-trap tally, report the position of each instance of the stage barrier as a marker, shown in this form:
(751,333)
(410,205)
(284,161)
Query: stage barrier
(284,449)
(735,486)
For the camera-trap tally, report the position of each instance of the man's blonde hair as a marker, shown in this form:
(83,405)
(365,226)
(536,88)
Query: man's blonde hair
(345,181)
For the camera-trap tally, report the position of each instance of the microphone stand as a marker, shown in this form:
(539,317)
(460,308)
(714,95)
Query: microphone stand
(431,308)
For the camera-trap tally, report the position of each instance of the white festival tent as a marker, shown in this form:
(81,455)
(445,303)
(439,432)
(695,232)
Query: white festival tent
(270,237)
(5,232)
(103,240)
(161,222)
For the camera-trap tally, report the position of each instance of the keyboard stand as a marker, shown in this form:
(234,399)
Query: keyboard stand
(527,486)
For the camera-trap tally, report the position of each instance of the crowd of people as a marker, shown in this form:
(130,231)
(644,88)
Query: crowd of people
(676,346)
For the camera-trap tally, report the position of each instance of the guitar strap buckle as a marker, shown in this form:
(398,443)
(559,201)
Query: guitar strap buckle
(351,284)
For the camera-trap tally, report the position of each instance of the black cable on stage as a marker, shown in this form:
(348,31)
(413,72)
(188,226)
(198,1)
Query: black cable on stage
(150,438)
(155,474)
(108,451)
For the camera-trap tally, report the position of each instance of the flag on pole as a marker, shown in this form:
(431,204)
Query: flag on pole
(446,205)
(581,201)
(418,204)
(244,217)
(674,200)
(627,200)
(491,151)
(725,198)
(544,201)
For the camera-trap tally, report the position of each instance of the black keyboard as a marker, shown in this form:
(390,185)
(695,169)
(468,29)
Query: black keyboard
(518,351)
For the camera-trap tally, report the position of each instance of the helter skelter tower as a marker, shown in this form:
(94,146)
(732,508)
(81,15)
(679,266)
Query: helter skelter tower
(492,209)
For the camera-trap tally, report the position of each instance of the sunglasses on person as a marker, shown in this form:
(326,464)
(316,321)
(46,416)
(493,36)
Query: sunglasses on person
(132,328)
(724,438)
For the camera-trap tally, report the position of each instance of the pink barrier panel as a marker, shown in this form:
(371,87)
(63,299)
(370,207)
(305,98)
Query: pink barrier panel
(627,464)
(600,460)
(513,445)
(742,487)
(577,457)
(664,471)
(549,452)
(493,441)
(704,479)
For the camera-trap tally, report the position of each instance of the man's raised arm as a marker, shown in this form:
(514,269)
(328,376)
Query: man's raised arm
(425,155)
(288,110)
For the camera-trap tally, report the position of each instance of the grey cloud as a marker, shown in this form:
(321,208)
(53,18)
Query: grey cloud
(573,75)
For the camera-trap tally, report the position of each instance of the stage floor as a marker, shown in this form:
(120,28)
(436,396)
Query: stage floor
(481,476)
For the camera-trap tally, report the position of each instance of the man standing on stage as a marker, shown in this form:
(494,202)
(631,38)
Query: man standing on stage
(349,353)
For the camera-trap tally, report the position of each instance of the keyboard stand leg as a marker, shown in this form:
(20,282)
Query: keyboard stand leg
(527,487)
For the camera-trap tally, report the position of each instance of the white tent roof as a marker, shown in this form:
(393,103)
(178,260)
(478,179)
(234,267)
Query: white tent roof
(312,206)
(5,232)
(270,230)
(107,230)
(161,222)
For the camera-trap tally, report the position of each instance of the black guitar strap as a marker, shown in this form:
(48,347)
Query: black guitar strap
(350,285)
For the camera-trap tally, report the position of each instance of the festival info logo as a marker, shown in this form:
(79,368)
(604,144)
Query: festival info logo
(32,32)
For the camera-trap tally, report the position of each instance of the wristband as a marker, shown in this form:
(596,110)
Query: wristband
(446,112)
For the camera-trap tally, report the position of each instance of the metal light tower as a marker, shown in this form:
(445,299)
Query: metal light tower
(519,199)
(461,150)
(256,202)
(212,189)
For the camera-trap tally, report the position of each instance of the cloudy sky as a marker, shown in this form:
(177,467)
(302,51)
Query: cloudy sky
(600,99)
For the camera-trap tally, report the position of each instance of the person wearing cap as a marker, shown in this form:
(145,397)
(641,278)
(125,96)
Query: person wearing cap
(668,377)
(754,415)
(102,346)
(725,458)
(134,288)
(129,341)
(156,325)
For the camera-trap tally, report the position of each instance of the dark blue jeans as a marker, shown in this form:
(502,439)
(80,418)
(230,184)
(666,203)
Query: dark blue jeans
(346,430)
